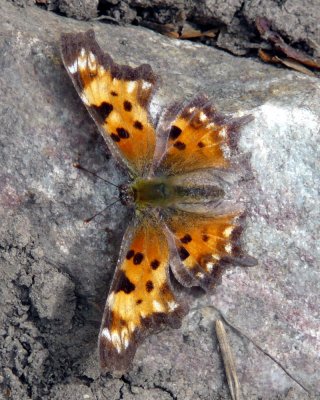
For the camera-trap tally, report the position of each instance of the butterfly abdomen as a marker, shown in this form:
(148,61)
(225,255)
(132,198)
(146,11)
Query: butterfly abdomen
(204,193)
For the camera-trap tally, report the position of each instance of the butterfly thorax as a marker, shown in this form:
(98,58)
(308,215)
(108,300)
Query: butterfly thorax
(126,195)
(164,192)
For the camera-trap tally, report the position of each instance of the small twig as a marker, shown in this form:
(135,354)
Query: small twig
(228,360)
(243,335)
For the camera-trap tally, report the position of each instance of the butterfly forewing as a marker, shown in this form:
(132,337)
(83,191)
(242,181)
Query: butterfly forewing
(116,96)
(197,138)
(141,298)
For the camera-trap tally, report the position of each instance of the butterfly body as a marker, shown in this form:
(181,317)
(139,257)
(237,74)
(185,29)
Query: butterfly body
(178,221)
(164,192)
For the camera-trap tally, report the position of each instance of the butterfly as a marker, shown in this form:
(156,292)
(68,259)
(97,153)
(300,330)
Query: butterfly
(180,223)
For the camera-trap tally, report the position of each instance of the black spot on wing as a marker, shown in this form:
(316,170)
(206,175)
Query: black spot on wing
(130,254)
(175,132)
(183,253)
(186,238)
(127,105)
(124,284)
(149,286)
(205,237)
(138,125)
(115,137)
(137,259)
(155,264)
(104,109)
(123,133)
(179,145)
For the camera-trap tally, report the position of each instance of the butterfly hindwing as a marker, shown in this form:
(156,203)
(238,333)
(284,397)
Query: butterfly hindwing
(141,298)
(116,96)
(204,245)
(197,137)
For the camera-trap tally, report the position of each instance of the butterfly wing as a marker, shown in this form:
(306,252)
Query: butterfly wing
(141,297)
(195,137)
(202,246)
(117,97)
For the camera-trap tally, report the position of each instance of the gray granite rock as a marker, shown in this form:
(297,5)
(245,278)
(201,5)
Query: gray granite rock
(213,11)
(297,20)
(83,9)
(52,295)
(271,311)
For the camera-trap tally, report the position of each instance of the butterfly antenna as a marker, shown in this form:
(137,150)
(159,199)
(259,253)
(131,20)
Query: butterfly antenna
(88,220)
(79,166)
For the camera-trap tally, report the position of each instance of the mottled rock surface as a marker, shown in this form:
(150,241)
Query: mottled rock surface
(83,9)
(233,21)
(55,271)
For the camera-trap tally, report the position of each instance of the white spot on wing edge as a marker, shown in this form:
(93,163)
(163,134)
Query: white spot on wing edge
(73,68)
(110,299)
(106,334)
(92,57)
(84,99)
(172,305)
(131,326)
(146,85)
(82,60)
(210,265)
(228,248)
(82,63)
(119,348)
(202,116)
(157,306)
(227,232)
(211,125)
(92,61)
(200,275)
(223,132)
(126,343)
(125,337)
(101,70)
(115,338)
(131,85)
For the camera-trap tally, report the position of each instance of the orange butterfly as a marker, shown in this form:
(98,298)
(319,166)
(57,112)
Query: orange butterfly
(178,219)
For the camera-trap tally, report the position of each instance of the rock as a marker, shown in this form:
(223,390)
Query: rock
(84,9)
(271,309)
(215,11)
(297,20)
(52,295)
